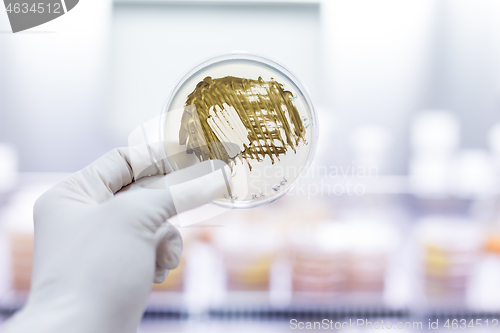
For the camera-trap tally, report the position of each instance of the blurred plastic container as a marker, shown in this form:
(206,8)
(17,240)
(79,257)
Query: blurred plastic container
(18,218)
(17,226)
(449,250)
(21,249)
(341,256)
(248,251)
(319,258)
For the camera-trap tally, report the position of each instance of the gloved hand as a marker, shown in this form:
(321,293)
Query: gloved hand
(99,243)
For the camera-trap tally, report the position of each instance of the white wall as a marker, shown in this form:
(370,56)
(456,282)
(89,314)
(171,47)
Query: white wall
(466,66)
(377,59)
(365,62)
(154,44)
(53,93)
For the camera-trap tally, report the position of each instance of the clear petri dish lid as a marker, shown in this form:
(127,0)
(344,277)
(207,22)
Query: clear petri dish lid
(248,111)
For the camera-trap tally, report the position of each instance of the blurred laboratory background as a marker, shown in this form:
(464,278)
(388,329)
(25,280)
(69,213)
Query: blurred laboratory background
(398,218)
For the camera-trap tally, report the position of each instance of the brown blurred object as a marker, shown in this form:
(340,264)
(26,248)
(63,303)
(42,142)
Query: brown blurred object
(493,244)
(19,229)
(250,272)
(21,250)
(248,249)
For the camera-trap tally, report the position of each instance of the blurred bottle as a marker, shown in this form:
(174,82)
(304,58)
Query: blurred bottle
(472,174)
(494,145)
(478,176)
(434,140)
(371,145)
(8,168)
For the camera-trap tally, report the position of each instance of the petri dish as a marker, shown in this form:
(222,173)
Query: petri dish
(248,111)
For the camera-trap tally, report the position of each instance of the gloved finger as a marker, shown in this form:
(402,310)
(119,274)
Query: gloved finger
(160,275)
(169,247)
(100,180)
(168,251)
(164,197)
(147,160)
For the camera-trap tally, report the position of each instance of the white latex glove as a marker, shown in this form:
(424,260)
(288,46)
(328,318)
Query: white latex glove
(96,253)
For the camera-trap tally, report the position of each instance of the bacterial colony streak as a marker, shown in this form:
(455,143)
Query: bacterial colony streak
(232,117)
